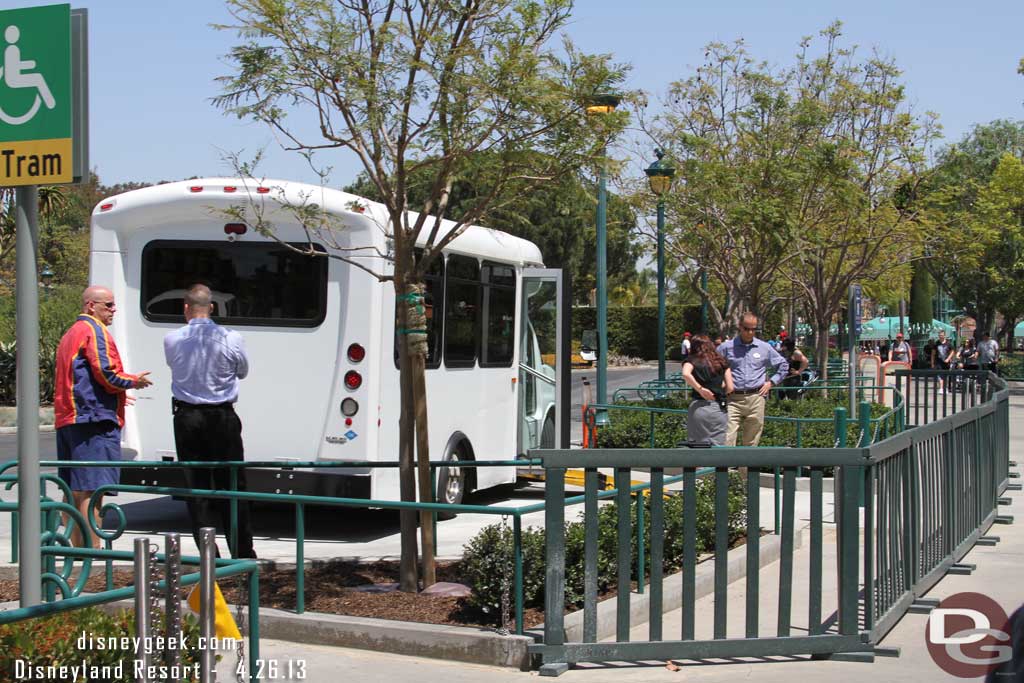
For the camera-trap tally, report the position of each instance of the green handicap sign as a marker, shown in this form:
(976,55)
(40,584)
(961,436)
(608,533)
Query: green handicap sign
(35,95)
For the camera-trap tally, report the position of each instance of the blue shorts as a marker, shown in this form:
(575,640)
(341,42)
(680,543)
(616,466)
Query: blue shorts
(89,441)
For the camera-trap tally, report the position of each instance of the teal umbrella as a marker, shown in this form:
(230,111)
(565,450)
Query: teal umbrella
(887,327)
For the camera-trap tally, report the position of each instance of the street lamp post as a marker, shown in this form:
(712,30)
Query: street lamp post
(599,105)
(659,176)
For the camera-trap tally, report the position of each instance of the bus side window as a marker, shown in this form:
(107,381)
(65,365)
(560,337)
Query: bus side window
(462,304)
(498,314)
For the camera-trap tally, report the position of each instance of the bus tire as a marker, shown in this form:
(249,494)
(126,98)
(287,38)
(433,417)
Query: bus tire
(452,482)
(547,433)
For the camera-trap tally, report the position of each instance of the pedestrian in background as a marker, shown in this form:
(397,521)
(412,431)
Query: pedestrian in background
(750,359)
(797,362)
(88,403)
(708,374)
(206,362)
(685,346)
(988,353)
(900,351)
(969,354)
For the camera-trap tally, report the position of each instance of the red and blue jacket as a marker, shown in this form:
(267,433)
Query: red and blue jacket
(91,381)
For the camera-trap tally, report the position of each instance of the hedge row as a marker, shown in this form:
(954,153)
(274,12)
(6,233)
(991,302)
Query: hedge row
(633,331)
(632,429)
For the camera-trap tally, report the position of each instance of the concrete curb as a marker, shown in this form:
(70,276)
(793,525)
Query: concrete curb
(478,645)
(802,483)
(14,430)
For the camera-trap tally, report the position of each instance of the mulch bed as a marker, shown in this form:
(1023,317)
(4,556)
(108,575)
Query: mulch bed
(330,589)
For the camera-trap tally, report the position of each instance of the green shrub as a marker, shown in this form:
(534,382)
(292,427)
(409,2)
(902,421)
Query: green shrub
(487,560)
(633,330)
(53,641)
(58,309)
(632,429)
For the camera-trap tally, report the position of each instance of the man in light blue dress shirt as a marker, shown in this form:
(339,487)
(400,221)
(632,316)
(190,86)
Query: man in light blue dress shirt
(206,362)
(750,359)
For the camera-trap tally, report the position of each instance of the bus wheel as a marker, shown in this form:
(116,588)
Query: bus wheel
(547,433)
(451,483)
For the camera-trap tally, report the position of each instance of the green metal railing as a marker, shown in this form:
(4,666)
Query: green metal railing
(928,493)
(56,545)
(300,502)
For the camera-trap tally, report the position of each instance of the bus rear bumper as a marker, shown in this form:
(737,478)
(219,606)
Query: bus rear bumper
(265,480)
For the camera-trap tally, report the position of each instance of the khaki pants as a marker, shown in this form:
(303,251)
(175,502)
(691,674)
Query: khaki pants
(746,415)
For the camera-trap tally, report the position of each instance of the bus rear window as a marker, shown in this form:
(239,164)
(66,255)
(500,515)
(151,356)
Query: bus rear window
(257,284)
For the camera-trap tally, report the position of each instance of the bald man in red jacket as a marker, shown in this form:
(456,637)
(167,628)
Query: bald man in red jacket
(88,401)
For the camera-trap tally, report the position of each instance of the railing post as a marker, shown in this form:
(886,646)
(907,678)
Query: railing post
(864,418)
(143,629)
(839,427)
(640,549)
(554,574)
(517,558)
(848,518)
(172,598)
(300,558)
(207,559)
(233,507)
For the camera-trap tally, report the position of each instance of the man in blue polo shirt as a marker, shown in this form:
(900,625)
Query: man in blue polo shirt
(750,359)
(206,362)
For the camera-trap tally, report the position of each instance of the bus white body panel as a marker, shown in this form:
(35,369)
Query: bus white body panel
(149,245)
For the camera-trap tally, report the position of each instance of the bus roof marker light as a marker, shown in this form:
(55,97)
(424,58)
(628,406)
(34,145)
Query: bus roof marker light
(107,206)
(230,188)
(235,229)
(195,188)
(262,190)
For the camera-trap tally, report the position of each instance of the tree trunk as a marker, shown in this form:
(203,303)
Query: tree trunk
(408,580)
(418,355)
(821,350)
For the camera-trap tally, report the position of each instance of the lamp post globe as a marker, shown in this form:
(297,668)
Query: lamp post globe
(598,105)
(659,176)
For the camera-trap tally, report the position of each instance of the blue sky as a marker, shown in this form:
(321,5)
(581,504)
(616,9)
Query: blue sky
(152,65)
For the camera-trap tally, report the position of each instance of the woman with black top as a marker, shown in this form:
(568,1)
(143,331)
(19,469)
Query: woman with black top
(969,354)
(708,373)
(797,364)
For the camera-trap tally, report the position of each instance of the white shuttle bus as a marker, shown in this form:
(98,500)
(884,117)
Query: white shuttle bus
(320,334)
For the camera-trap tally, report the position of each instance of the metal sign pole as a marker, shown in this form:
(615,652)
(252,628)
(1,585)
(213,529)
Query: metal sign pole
(207,560)
(27,335)
(853,335)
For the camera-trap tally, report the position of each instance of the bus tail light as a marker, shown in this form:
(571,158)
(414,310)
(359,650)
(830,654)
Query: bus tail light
(349,407)
(353,380)
(356,352)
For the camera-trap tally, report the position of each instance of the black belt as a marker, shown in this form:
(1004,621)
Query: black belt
(184,404)
(745,392)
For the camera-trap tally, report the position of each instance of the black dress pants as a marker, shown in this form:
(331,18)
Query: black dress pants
(213,433)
